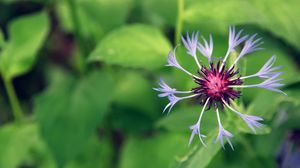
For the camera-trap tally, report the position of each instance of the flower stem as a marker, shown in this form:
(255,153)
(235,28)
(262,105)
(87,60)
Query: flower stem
(14,102)
(244,72)
(179,22)
(78,36)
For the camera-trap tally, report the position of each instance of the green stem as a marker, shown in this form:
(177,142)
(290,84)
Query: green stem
(179,22)
(78,36)
(14,102)
(244,71)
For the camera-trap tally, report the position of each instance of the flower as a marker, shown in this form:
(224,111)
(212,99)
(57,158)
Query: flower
(250,46)
(217,83)
(206,49)
(251,121)
(235,39)
(267,71)
(196,130)
(172,61)
(166,90)
(174,99)
(191,43)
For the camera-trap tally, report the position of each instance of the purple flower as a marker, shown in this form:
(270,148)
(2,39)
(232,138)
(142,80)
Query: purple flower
(196,131)
(196,128)
(166,90)
(174,99)
(224,134)
(272,83)
(217,82)
(251,121)
(251,45)
(267,71)
(191,43)
(172,61)
(235,39)
(207,48)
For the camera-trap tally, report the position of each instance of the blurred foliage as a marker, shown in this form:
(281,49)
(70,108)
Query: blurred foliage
(19,53)
(132,46)
(78,108)
(97,107)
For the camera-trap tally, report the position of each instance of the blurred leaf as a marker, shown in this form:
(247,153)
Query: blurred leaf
(199,156)
(16,143)
(181,119)
(69,113)
(264,105)
(156,151)
(156,10)
(97,153)
(137,46)
(130,120)
(293,91)
(134,102)
(279,17)
(26,36)
(94,14)
(220,16)
(130,87)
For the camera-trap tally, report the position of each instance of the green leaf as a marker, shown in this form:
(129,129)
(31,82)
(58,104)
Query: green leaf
(156,151)
(16,143)
(26,37)
(129,88)
(264,105)
(129,120)
(220,16)
(135,102)
(137,46)
(97,153)
(93,15)
(156,11)
(282,19)
(69,113)
(279,17)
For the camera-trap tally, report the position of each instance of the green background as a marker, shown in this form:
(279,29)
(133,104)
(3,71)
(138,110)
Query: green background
(77,79)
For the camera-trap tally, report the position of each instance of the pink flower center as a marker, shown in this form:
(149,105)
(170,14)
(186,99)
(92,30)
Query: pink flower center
(214,84)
